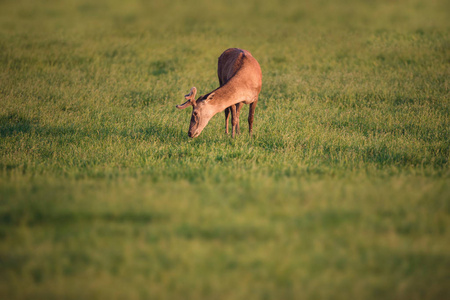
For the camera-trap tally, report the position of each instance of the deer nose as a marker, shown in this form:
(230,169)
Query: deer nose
(189,134)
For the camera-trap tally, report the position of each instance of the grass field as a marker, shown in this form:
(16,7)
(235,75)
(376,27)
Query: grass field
(342,193)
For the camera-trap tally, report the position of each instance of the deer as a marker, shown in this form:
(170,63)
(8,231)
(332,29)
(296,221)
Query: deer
(240,80)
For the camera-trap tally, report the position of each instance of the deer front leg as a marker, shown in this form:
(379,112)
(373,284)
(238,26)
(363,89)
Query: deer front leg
(251,114)
(227,116)
(238,113)
(233,120)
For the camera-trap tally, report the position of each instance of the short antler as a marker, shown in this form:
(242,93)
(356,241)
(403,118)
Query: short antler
(191,95)
(190,99)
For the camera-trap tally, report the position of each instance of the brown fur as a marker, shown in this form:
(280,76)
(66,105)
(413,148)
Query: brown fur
(240,81)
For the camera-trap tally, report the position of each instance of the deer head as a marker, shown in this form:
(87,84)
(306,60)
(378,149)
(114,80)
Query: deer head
(201,112)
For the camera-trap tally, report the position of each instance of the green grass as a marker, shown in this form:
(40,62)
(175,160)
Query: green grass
(343,192)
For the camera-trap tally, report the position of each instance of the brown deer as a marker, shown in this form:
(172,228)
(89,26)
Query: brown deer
(240,81)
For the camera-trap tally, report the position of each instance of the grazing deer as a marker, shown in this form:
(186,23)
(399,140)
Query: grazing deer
(240,82)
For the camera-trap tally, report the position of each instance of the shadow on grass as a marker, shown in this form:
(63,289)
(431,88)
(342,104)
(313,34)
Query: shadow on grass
(13,124)
(40,215)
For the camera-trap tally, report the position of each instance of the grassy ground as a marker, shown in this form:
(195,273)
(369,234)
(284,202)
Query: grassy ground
(344,191)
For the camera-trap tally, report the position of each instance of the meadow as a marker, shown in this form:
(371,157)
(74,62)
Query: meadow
(343,192)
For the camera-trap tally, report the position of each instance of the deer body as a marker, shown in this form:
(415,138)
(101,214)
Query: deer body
(240,81)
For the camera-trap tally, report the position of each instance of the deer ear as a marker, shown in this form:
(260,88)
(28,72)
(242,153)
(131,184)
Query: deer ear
(210,97)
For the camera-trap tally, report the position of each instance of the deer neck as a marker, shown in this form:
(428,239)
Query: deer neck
(224,97)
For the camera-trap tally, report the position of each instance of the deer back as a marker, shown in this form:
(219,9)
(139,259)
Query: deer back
(240,63)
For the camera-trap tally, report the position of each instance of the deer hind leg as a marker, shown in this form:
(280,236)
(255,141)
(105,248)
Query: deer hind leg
(251,114)
(227,117)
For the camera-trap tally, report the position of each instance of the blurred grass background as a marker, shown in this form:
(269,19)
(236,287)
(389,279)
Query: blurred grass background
(342,193)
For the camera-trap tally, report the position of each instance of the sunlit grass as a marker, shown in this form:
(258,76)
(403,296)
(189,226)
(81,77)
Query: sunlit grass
(343,192)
